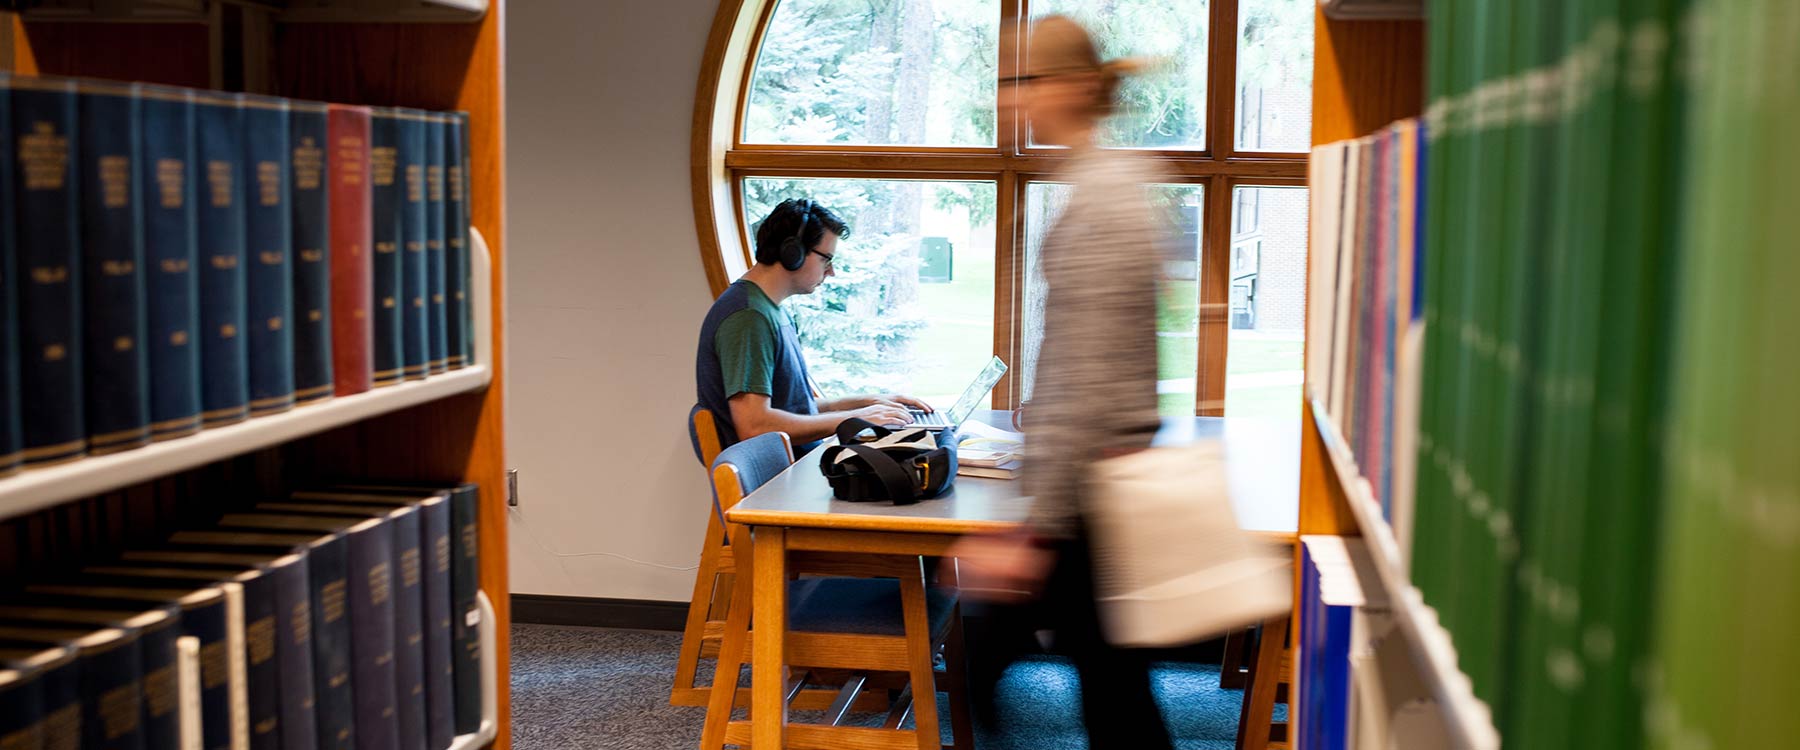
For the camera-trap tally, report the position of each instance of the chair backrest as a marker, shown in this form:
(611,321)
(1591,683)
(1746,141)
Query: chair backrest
(703,432)
(747,465)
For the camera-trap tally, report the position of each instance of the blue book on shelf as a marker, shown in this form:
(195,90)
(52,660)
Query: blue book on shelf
(112,269)
(269,274)
(416,336)
(11,439)
(47,189)
(386,196)
(458,323)
(219,256)
(1326,612)
(312,252)
(436,160)
(167,185)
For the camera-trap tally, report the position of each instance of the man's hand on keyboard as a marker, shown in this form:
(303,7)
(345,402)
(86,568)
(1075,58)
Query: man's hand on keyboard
(885,415)
(897,400)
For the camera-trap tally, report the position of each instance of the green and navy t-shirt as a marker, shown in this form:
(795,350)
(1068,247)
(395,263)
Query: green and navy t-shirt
(749,345)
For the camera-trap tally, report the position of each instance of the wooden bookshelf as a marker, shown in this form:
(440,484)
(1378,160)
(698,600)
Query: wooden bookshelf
(373,52)
(1468,722)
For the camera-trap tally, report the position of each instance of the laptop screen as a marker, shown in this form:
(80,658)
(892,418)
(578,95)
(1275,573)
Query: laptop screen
(971,398)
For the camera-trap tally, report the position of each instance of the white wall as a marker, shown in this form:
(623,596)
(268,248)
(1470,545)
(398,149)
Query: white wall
(604,293)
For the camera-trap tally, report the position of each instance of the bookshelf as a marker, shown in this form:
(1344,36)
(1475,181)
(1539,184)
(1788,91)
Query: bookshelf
(41,488)
(1467,720)
(435,55)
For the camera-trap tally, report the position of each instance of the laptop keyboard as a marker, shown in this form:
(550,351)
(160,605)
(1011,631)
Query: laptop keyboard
(929,419)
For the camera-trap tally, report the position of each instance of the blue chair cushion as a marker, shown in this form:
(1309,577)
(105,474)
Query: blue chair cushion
(860,606)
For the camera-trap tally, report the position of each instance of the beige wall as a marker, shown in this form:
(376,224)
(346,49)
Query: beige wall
(605,293)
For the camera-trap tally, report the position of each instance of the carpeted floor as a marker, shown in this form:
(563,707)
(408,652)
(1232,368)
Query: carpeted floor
(581,688)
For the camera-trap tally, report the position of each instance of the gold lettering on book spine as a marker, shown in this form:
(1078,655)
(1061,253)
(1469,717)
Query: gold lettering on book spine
(120,708)
(381,165)
(381,583)
(409,567)
(309,165)
(161,695)
(218,178)
(434,184)
(301,621)
(44,155)
(268,181)
(214,663)
(415,183)
(259,640)
(332,598)
(171,182)
(115,181)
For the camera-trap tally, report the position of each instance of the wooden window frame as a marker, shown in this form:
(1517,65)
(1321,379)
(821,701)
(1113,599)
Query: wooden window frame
(721,160)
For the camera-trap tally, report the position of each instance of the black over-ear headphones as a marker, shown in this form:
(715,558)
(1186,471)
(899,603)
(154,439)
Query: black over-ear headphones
(792,253)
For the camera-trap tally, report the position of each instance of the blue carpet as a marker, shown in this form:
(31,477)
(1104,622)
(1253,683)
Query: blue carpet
(576,688)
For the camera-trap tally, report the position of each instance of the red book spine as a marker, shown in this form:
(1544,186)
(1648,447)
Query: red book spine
(352,272)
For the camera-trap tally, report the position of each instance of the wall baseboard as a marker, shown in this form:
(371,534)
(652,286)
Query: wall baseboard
(632,614)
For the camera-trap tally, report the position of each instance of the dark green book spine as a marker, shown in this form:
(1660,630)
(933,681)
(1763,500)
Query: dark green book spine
(167,183)
(116,370)
(458,322)
(416,287)
(11,437)
(465,614)
(269,234)
(224,367)
(307,123)
(437,319)
(47,189)
(387,195)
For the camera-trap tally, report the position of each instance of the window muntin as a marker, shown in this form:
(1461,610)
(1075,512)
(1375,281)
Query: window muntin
(911,305)
(899,72)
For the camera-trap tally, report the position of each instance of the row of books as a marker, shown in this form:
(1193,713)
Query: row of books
(1555,462)
(1364,277)
(336,618)
(173,259)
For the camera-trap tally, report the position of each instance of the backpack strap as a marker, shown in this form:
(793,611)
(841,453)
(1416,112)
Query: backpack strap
(896,480)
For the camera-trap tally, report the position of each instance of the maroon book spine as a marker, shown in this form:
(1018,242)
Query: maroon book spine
(352,271)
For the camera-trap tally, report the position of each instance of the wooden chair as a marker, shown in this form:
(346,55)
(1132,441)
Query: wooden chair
(872,625)
(713,580)
(1266,674)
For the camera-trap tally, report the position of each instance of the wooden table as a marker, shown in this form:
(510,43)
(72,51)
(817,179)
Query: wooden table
(795,511)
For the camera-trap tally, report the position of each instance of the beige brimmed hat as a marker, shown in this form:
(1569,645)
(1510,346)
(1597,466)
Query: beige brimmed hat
(1058,46)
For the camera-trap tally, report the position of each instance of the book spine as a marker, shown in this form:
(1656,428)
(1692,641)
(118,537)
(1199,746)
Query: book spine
(11,437)
(112,264)
(437,318)
(112,694)
(161,694)
(440,676)
(224,375)
(171,288)
(465,615)
(22,710)
(290,592)
(46,182)
(312,252)
(388,295)
(409,633)
(457,320)
(352,328)
(269,279)
(209,622)
(328,568)
(416,335)
(261,669)
(371,592)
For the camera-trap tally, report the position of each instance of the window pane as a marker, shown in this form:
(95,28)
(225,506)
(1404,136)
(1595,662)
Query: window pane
(1275,65)
(1164,107)
(1178,308)
(877,72)
(911,305)
(1264,364)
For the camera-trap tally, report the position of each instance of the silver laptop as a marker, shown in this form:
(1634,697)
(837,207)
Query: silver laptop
(971,399)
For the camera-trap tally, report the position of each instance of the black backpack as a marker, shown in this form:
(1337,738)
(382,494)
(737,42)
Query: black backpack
(872,463)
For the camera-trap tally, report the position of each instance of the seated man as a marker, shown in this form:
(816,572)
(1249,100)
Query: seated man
(750,371)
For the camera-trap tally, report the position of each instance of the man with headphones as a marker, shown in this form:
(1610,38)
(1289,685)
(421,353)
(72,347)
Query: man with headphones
(750,371)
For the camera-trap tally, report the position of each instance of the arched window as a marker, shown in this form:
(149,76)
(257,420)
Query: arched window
(886,111)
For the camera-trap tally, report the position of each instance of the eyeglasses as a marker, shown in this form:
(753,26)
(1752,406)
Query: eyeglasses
(827,258)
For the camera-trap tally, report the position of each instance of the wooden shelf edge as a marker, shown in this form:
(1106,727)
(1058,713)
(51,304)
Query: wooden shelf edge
(1468,720)
(35,489)
(490,675)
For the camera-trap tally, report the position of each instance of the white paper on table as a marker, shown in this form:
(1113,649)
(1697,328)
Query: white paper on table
(973,434)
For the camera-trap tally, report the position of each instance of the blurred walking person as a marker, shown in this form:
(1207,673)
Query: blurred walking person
(1094,394)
